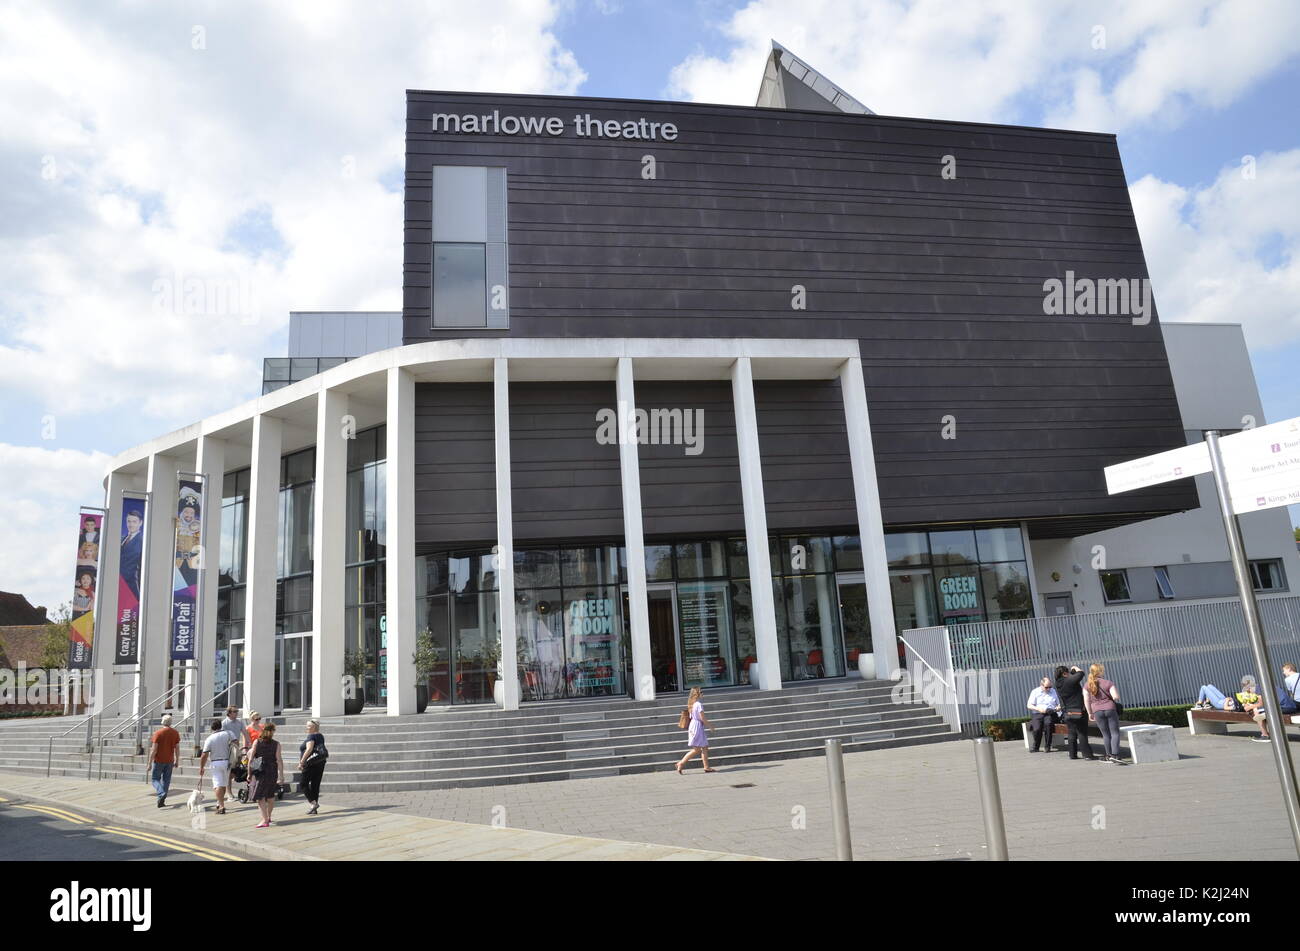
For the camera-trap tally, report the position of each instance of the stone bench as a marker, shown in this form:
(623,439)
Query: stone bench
(1147,742)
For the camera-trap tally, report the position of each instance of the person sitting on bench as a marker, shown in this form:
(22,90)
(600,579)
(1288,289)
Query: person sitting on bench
(1212,698)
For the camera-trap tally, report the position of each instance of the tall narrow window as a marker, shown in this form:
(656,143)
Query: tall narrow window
(469,278)
(1163,583)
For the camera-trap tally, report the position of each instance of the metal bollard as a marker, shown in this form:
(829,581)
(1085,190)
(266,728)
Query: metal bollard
(839,801)
(995,830)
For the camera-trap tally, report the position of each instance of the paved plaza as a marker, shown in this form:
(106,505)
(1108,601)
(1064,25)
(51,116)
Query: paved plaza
(1220,798)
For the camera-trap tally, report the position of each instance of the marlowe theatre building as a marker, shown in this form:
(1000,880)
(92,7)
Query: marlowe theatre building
(679,395)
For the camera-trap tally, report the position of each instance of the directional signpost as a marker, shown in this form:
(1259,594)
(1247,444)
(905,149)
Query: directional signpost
(1253,470)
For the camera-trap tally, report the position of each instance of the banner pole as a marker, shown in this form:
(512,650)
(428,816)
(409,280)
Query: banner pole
(141,692)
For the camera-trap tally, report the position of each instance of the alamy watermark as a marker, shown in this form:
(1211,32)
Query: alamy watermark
(25,686)
(655,427)
(978,687)
(1104,297)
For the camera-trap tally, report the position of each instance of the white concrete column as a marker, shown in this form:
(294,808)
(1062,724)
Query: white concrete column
(263,551)
(105,645)
(871,529)
(633,535)
(399,555)
(329,528)
(160,566)
(509,699)
(211,463)
(766,645)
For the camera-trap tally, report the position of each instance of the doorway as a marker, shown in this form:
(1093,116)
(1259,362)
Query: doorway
(1058,604)
(665,658)
(293,672)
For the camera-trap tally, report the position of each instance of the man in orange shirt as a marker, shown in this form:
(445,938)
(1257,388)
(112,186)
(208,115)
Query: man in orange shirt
(162,758)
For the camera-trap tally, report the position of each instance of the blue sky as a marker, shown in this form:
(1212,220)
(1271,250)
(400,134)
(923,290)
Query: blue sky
(139,151)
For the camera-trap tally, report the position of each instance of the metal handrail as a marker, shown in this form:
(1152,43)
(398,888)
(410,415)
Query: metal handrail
(49,756)
(917,653)
(199,706)
(138,718)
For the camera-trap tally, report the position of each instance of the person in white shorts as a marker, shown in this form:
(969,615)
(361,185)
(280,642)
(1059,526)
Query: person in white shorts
(216,753)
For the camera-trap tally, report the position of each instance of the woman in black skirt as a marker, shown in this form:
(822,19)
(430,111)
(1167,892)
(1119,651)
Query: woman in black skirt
(264,777)
(311,763)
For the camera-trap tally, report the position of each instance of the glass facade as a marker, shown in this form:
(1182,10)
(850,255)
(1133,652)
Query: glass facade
(571,603)
(232,578)
(364,551)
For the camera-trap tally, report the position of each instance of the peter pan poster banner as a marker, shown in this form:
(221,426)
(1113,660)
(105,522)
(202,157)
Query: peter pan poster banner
(188,563)
(81,631)
(130,558)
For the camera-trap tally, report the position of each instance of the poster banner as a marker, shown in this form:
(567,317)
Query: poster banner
(188,562)
(81,632)
(130,559)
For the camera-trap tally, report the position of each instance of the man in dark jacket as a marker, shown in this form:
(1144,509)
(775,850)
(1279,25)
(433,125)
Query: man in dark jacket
(1069,688)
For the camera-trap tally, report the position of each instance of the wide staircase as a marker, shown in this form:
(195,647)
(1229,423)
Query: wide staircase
(482,746)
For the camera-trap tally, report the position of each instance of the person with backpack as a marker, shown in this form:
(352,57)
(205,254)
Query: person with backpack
(1286,702)
(696,724)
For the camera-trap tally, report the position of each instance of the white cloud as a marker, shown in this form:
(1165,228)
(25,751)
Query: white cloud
(1230,251)
(1010,61)
(43,490)
(130,150)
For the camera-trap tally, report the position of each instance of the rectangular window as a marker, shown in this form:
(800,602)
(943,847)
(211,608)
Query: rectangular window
(1163,583)
(1267,575)
(459,285)
(1114,585)
(470,264)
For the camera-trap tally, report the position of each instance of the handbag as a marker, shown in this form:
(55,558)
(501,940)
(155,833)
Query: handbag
(684,720)
(255,766)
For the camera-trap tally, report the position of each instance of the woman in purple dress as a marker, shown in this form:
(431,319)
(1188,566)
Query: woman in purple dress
(696,737)
(265,783)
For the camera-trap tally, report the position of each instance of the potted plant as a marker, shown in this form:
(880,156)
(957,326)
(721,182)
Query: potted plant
(354,689)
(425,659)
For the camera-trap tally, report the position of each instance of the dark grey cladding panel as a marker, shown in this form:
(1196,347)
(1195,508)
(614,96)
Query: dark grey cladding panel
(564,483)
(455,463)
(940,281)
(684,494)
(803,441)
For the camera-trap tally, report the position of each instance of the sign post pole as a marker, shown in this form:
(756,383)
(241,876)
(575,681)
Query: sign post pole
(1249,608)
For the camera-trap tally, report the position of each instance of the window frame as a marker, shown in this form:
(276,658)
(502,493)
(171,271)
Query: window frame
(1128,591)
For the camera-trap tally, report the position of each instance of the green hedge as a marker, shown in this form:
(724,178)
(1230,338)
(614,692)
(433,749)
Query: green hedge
(1168,716)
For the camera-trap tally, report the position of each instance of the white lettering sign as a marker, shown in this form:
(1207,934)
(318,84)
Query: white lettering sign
(584,126)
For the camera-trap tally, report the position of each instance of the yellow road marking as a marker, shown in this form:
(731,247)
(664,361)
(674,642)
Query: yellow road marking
(56,813)
(210,854)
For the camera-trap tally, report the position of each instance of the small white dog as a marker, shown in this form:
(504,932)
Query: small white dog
(195,802)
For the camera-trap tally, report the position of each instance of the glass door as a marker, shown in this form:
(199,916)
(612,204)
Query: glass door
(854,619)
(293,672)
(665,663)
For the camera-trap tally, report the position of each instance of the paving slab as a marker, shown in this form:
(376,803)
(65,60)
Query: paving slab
(912,804)
(339,831)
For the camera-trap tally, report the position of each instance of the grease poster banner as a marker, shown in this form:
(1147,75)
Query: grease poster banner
(187,563)
(81,631)
(130,558)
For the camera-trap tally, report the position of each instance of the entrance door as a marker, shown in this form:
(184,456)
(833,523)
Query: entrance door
(855,622)
(665,663)
(293,672)
(1056,604)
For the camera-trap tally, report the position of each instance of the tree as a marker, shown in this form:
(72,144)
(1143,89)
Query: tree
(54,649)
